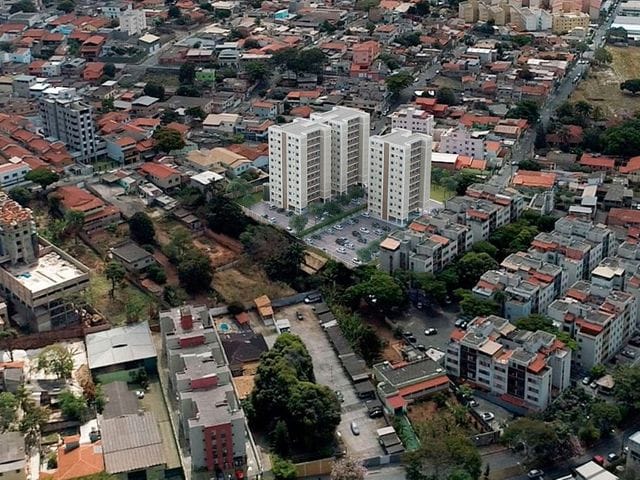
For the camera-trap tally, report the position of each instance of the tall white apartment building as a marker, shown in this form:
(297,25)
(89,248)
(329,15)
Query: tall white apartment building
(349,146)
(414,119)
(463,141)
(299,164)
(399,175)
(133,21)
(67,118)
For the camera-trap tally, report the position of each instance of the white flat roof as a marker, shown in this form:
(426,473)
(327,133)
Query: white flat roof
(50,271)
(593,471)
(120,345)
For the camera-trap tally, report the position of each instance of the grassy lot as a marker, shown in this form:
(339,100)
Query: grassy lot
(249,200)
(246,282)
(602,86)
(440,193)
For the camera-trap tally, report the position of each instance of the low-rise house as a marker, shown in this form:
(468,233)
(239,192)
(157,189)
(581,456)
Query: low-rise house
(222,122)
(134,258)
(144,106)
(97,214)
(161,175)
(13,460)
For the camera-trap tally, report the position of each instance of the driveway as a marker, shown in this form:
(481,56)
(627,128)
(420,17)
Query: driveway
(329,372)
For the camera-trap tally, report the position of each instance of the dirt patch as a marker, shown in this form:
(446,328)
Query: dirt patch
(602,86)
(218,254)
(245,282)
(392,351)
(422,411)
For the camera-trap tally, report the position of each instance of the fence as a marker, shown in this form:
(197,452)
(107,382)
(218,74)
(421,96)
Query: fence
(42,339)
(315,468)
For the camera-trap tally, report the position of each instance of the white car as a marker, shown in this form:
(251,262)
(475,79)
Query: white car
(341,250)
(356,261)
(338,227)
(366,214)
(535,473)
(364,229)
(487,416)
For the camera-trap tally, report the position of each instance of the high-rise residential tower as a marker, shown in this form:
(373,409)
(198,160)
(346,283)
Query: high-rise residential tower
(299,164)
(349,146)
(399,175)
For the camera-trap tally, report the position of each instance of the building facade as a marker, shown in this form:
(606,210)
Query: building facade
(299,164)
(349,146)
(399,175)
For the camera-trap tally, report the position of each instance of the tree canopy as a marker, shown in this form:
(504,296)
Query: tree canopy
(168,139)
(42,176)
(141,229)
(471,267)
(285,391)
(56,360)
(279,255)
(380,290)
(446,96)
(537,440)
(398,82)
(187,74)
(527,109)
(154,90)
(309,60)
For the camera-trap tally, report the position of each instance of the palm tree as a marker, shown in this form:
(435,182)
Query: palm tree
(7,335)
(114,272)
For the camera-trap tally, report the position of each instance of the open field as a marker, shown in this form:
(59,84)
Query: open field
(602,86)
(245,282)
(440,193)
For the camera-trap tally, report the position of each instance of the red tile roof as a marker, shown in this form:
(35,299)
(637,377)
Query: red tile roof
(158,170)
(589,160)
(77,199)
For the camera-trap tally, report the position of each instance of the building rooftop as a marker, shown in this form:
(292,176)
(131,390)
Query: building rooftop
(50,270)
(408,373)
(400,136)
(120,400)
(12,453)
(130,252)
(214,406)
(120,345)
(131,442)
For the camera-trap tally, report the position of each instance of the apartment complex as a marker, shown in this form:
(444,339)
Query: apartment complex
(600,319)
(133,21)
(432,241)
(211,418)
(399,175)
(349,146)
(463,141)
(567,21)
(521,367)
(413,119)
(36,278)
(299,164)
(66,117)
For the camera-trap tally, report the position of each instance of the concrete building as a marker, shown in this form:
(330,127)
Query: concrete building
(299,164)
(413,119)
(633,456)
(67,118)
(519,366)
(463,141)
(349,146)
(531,19)
(566,22)
(468,11)
(13,172)
(134,22)
(400,175)
(601,321)
(211,418)
(13,459)
(36,278)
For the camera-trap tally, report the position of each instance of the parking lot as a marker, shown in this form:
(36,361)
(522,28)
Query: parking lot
(329,372)
(417,321)
(501,416)
(357,232)
(368,231)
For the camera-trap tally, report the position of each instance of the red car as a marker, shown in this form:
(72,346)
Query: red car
(599,459)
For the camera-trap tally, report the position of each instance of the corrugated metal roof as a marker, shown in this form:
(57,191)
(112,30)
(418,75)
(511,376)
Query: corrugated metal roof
(131,442)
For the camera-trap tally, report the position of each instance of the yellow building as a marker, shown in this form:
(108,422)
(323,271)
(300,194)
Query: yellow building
(468,11)
(565,22)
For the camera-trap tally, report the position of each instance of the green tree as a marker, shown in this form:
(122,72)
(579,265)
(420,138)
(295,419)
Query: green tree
(107,105)
(283,469)
(626,391)
(42,176)
(154,90)
(187,74)
(598,371)
(298,222)
(56,360)
(622,139)
(174,12)
(67,6)
(115,273)
(446,96)
(410,39)
(471,267)
(472,306)
(398,82)
(605,416)
(25,6)
(32,422)
(238,187)
(434,288)
(168,139)
(539,441)
(157,274)
(280,438)
(74,221)
(225,216)
(196,112)
(72,406)
(527,109)
(141,229)
(7,337)
(485,247)
(195,273)
(279,255)
(602,56)
(8,411)
(169,116)
(109,70)
(21,195)
(380,290)
(188,91)
(257,71)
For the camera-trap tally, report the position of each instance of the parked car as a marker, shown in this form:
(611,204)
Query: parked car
(356,261)
(341,250)
(421,347)
(535,473)
(313,298)
(364,229)
(487,416)
(355,429)
(430,331)
(586,381)
(299,315)
(473,404)
(629,353)
(612,457)
(599,459)
(340,396)
(355,233)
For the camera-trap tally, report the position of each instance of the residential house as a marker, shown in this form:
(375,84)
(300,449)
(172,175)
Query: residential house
(13,459)
(222,122)
(97,214)
(134,258)
(163,176)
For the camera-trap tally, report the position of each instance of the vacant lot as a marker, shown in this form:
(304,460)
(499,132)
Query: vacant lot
(245,282)
(602,87)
